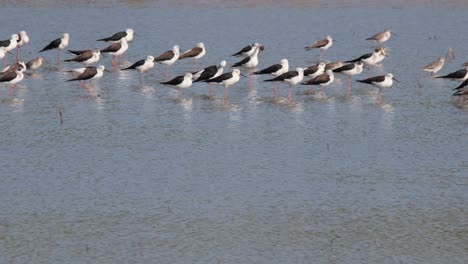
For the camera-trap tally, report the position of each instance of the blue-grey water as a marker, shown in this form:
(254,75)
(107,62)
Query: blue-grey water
(135,176)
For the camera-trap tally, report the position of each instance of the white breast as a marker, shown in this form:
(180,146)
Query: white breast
(219,72)
(185,84)
(231,81)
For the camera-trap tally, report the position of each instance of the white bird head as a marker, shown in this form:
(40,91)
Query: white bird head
(65,36)
(389,75)
(101,68)
(188,75)
(222,64)
(387,30)
(23,34)
(236,72)
(201,45)
(129,31)
(96,51)
(321,65)
(150,58)
(300,70)
(359,64)
(175,49)
(329,38)
(15,37)
(329,72)
(442,59)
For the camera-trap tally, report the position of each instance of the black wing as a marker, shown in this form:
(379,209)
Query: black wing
(373,79)
(311,70)
(78,52)
(346,67)
(112,48)
(285,76)
(207,73)
(135,65)
(4,43)
(82,57)
(89,73)
(460,93)
(222,77)
(462,85)
(52,45)
(363,57)
(116,37)
(245,49)
(322,78)
(177,80)
(269,70)
(10,75)
(191,53)
(165,56)
(242,62)
(454,75)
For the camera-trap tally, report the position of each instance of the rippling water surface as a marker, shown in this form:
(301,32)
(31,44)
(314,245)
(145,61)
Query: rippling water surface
(135,176)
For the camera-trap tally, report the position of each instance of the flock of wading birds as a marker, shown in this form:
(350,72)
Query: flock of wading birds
(320,74)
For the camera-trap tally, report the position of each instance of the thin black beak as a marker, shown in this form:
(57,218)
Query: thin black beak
(334,40)
(396,80)
(393,33)
(243,75)
(106,70)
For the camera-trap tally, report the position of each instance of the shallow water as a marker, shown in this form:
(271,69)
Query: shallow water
(135,176)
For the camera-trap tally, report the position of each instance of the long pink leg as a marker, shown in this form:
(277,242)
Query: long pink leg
(275,89)
(17,53)
(289,93)
(141,77)
(167,70)
(4,62)
(11,90)
(210,93)
(312,89)
(89,86)
(379,97)
(58,56)
(348,90)
(225,94)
